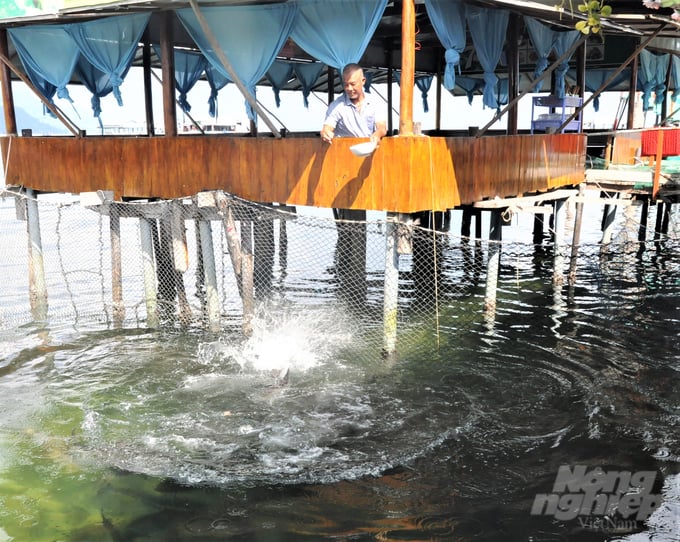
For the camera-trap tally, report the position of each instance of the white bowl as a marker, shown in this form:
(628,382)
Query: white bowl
(363,149)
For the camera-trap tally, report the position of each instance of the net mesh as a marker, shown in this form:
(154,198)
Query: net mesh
(215,262)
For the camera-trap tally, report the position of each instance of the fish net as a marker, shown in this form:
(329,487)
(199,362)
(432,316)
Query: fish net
(215,263)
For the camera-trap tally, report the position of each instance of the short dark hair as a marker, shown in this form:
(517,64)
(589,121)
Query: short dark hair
(349,69)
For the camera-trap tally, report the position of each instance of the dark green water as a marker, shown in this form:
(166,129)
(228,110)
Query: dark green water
(139,435)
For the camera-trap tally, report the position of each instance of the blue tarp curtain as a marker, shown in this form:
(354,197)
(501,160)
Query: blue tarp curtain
(470,85)
(675,77)
(97,82)
(424,82)
(652,77)
(308,74)
(249,36)
(336,33)
(278,75)
(544,40)
(189,66)
(448,20)
(108,45)
(217,81)
(48,71)
(596,77)
(488,28)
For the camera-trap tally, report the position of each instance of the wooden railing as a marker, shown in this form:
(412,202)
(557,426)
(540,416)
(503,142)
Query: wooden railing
(405,174)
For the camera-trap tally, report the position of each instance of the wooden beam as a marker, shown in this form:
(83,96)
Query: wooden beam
(148,97)
(408,63)
(632,92)
(513,71)
(222,57)
(168,75)
(6,83)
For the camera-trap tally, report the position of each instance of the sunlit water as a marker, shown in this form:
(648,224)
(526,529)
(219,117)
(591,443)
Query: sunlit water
(303,431)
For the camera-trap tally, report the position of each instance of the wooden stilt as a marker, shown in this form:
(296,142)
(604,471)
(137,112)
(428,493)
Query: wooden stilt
(149,272)
(493,265)
(659,220)
(116,267)
(391,288)
(576,237)
(558,242)
(247,276)
(263,251)
(466,222)
(36,265)
(212,304)
(538,229)
(608,216)
(644,217)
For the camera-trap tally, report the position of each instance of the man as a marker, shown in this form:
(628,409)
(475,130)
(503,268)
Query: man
(354,114)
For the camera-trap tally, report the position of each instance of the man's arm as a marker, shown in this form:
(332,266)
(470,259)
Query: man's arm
(380,131)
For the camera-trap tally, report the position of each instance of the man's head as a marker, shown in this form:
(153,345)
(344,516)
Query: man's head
(353,82)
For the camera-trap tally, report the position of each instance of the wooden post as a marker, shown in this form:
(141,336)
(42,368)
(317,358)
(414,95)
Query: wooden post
(148,97)
(576,237)
(632,92)
(438,118)
(210,275)
(390,99)
(408,61)
(168,74)
(37,287)
(657,165)
(644,217)
(558,241)
(149,272)
(331,84)
(247,276)
(6,83)
(608,215)
(513,71)
(116,267)
(493,265)
(658,226)
(391,288)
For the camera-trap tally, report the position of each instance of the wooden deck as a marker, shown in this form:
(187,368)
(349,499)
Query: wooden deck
(405,174)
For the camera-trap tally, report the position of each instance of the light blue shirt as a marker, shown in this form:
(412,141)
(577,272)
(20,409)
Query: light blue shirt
(348,121)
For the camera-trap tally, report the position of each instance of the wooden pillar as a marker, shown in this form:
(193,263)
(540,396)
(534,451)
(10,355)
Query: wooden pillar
(666,102)
(168,74)
(576,237)
(36,265)
(148,98)
(644,217)
(608,215)
(493,265)
(390,100)
(581,76)
(116,267)
(331,84)
(408,62)
(513,71)
(6,84)
(391,288)
(632,92)
(438,118)
(558,241)
(148,272)
(212,303)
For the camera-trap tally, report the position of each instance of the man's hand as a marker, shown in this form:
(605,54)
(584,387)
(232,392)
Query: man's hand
(327,133)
